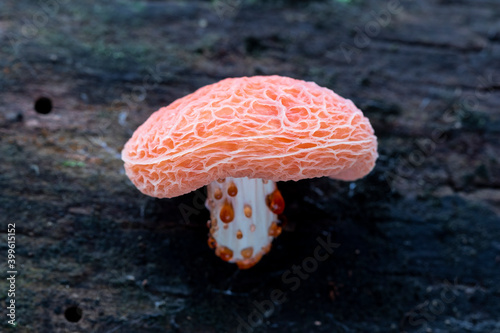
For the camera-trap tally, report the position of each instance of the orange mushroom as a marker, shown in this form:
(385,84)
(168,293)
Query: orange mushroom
(239,136)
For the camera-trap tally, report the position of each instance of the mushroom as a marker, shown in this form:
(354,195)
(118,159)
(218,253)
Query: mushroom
(239,136)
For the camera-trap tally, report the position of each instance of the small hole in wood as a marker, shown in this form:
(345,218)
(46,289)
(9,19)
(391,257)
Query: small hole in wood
(73,314)
(43,105)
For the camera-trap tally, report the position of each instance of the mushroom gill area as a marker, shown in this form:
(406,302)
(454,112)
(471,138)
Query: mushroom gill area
(244,218)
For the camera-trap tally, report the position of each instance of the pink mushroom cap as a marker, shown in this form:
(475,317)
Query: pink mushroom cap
(269,127)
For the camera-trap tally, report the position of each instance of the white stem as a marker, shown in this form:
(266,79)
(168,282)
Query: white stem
(246,236)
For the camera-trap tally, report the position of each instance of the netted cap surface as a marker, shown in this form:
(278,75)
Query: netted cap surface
(268,127)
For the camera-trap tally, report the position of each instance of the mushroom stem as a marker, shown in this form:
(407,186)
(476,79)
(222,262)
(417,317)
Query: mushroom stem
(244,218)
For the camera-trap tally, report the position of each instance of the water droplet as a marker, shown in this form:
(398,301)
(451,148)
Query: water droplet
(218,194)
(275,202)
(224,253)
(239,234)
(212,243)
(274,229)
(247,210)
(247,252)
(226,212)
(282,220)
(232,190)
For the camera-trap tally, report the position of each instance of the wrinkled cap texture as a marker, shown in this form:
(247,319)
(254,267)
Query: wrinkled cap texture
(268,127)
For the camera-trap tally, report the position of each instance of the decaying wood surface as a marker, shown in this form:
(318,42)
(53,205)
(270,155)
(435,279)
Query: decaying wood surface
(416,244)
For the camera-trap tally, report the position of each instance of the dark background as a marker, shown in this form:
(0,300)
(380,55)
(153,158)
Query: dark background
(419,238)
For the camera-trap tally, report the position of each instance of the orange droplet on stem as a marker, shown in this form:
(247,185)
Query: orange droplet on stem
(247,252)
(226,212)
(212,243)
(282,220)
(275,202)
(250,262)
(274,230)
(224,253)
(232,190)
(247,210)
(218,194)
